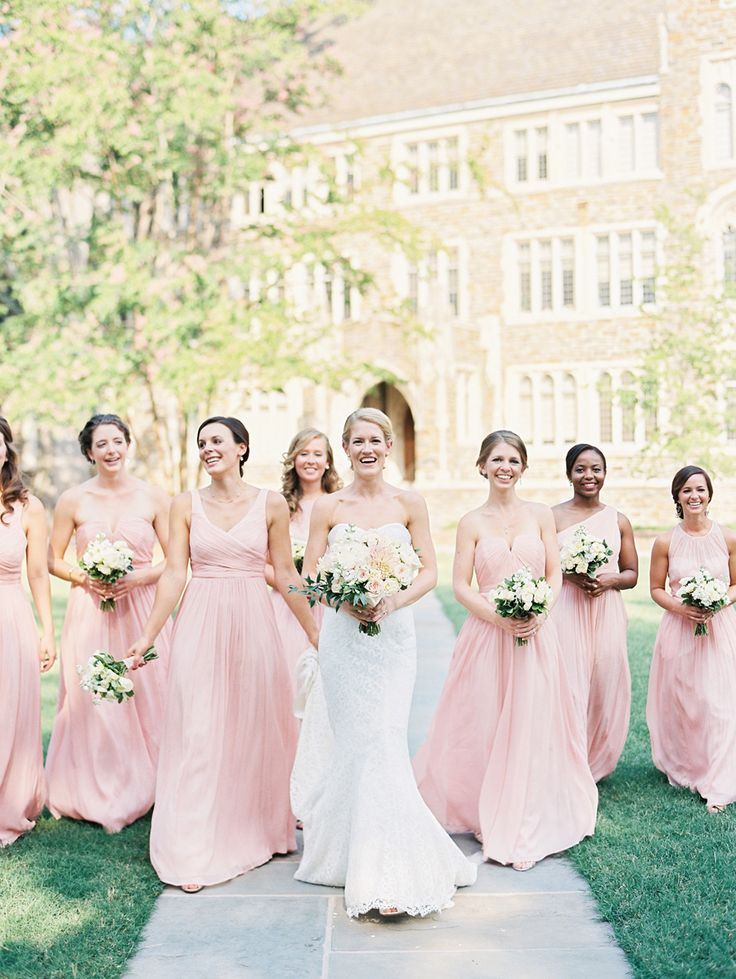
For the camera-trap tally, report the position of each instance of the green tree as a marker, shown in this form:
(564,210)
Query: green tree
(146,257)
(689,366)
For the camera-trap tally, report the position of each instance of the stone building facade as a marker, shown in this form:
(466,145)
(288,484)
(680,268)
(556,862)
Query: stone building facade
(534,148)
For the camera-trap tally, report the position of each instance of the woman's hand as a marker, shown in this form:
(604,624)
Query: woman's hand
(136,651)
(134,579)
(47,652)
(375,613)
(583,582)
(80,579)
(607,581)
(693,613)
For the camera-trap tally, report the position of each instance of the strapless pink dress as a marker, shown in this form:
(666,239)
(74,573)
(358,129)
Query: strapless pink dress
(22,786)
(101,763)
(593,639)
(505,757)
(691,708)
(222,794)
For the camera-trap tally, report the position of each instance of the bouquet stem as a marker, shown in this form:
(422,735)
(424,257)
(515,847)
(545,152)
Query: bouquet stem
(521,642)
(107,605)
(369,628)
(701,629)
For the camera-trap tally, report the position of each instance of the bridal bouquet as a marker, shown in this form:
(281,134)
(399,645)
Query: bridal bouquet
(361,568)
(106,561)
(521,596)
(703,590)
(106,678)
(297,554)
(584,554)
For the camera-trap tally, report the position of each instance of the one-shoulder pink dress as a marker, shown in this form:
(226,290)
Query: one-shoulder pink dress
(505,757)
(22,786)
(592,635)
(222,794)
(101,763)
(691,708)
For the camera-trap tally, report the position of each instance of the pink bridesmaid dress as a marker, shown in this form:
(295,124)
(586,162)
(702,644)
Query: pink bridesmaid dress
(505,757)
(222,794)
(101,763)
(22,786)
(691,708)
(592,635)
(293,638)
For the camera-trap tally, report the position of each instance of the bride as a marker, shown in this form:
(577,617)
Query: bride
(366,827)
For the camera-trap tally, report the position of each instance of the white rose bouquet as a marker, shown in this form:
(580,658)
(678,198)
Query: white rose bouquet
(584,553)
(703,590)
(298,548)
(521,596)
(361,568)
(106,678)
(107,561)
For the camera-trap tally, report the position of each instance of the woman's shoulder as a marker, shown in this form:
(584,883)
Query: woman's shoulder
(33,506)
(729,536)
(662,541)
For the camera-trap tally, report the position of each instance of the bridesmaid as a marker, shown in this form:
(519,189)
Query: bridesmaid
(692,684)
(22,535)
(222,793)
(505,758)
(308,473)
(590,614)
(102,759)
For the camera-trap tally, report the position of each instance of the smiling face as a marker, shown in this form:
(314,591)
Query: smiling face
(503,465)
(367,448)
(218,449)
(588,474)
(310,462)
(694,496)
(108,449)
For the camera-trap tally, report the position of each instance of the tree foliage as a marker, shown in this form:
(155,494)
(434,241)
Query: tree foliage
(132,271)
(689,366)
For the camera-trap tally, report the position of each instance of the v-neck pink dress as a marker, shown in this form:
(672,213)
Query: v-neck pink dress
(691,708)
(101,763)
(505,757)
(222,794)
(595,653)
(22,787)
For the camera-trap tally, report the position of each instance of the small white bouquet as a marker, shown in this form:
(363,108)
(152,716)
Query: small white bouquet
(106,678)
(298,548)
(584,553)
(703,590)
(521,596)
(108,561)
(361,568)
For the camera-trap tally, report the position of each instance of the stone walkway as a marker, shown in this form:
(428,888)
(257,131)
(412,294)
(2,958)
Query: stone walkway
(542,924)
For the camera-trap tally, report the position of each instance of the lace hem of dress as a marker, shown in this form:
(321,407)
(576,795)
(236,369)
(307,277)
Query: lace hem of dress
(381,904)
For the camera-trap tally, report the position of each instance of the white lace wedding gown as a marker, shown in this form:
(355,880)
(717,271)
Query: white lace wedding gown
(366,828)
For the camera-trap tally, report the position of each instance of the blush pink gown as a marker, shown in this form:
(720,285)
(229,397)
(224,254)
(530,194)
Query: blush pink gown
(293,638)
(691,708)
(222,794)
(592,635)
(505,757)
(101,763)
(22,786)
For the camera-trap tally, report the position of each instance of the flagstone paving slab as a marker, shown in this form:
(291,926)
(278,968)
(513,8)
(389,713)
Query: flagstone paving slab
(542,924)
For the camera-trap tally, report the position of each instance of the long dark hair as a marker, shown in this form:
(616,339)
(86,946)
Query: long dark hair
(239,433)
(12,488)
(679,480)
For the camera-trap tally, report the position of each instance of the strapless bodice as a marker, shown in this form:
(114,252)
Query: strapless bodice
(137,532)
(12,545)
(394,529)
(496,560)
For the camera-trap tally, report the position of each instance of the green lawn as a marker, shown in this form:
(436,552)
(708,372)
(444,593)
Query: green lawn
(662,869)
(73,899)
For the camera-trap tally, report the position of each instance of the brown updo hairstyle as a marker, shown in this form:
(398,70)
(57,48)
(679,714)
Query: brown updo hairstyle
(238,430)
(679,480)
(12,489)
(577,450)
(86,436)
(291,488)
(496,438)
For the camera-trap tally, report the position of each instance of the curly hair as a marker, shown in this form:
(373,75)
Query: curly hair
(291,488)
(12,488)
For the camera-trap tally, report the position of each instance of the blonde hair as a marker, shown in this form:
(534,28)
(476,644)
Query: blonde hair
(372,415)
(291,488)
(496,438)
